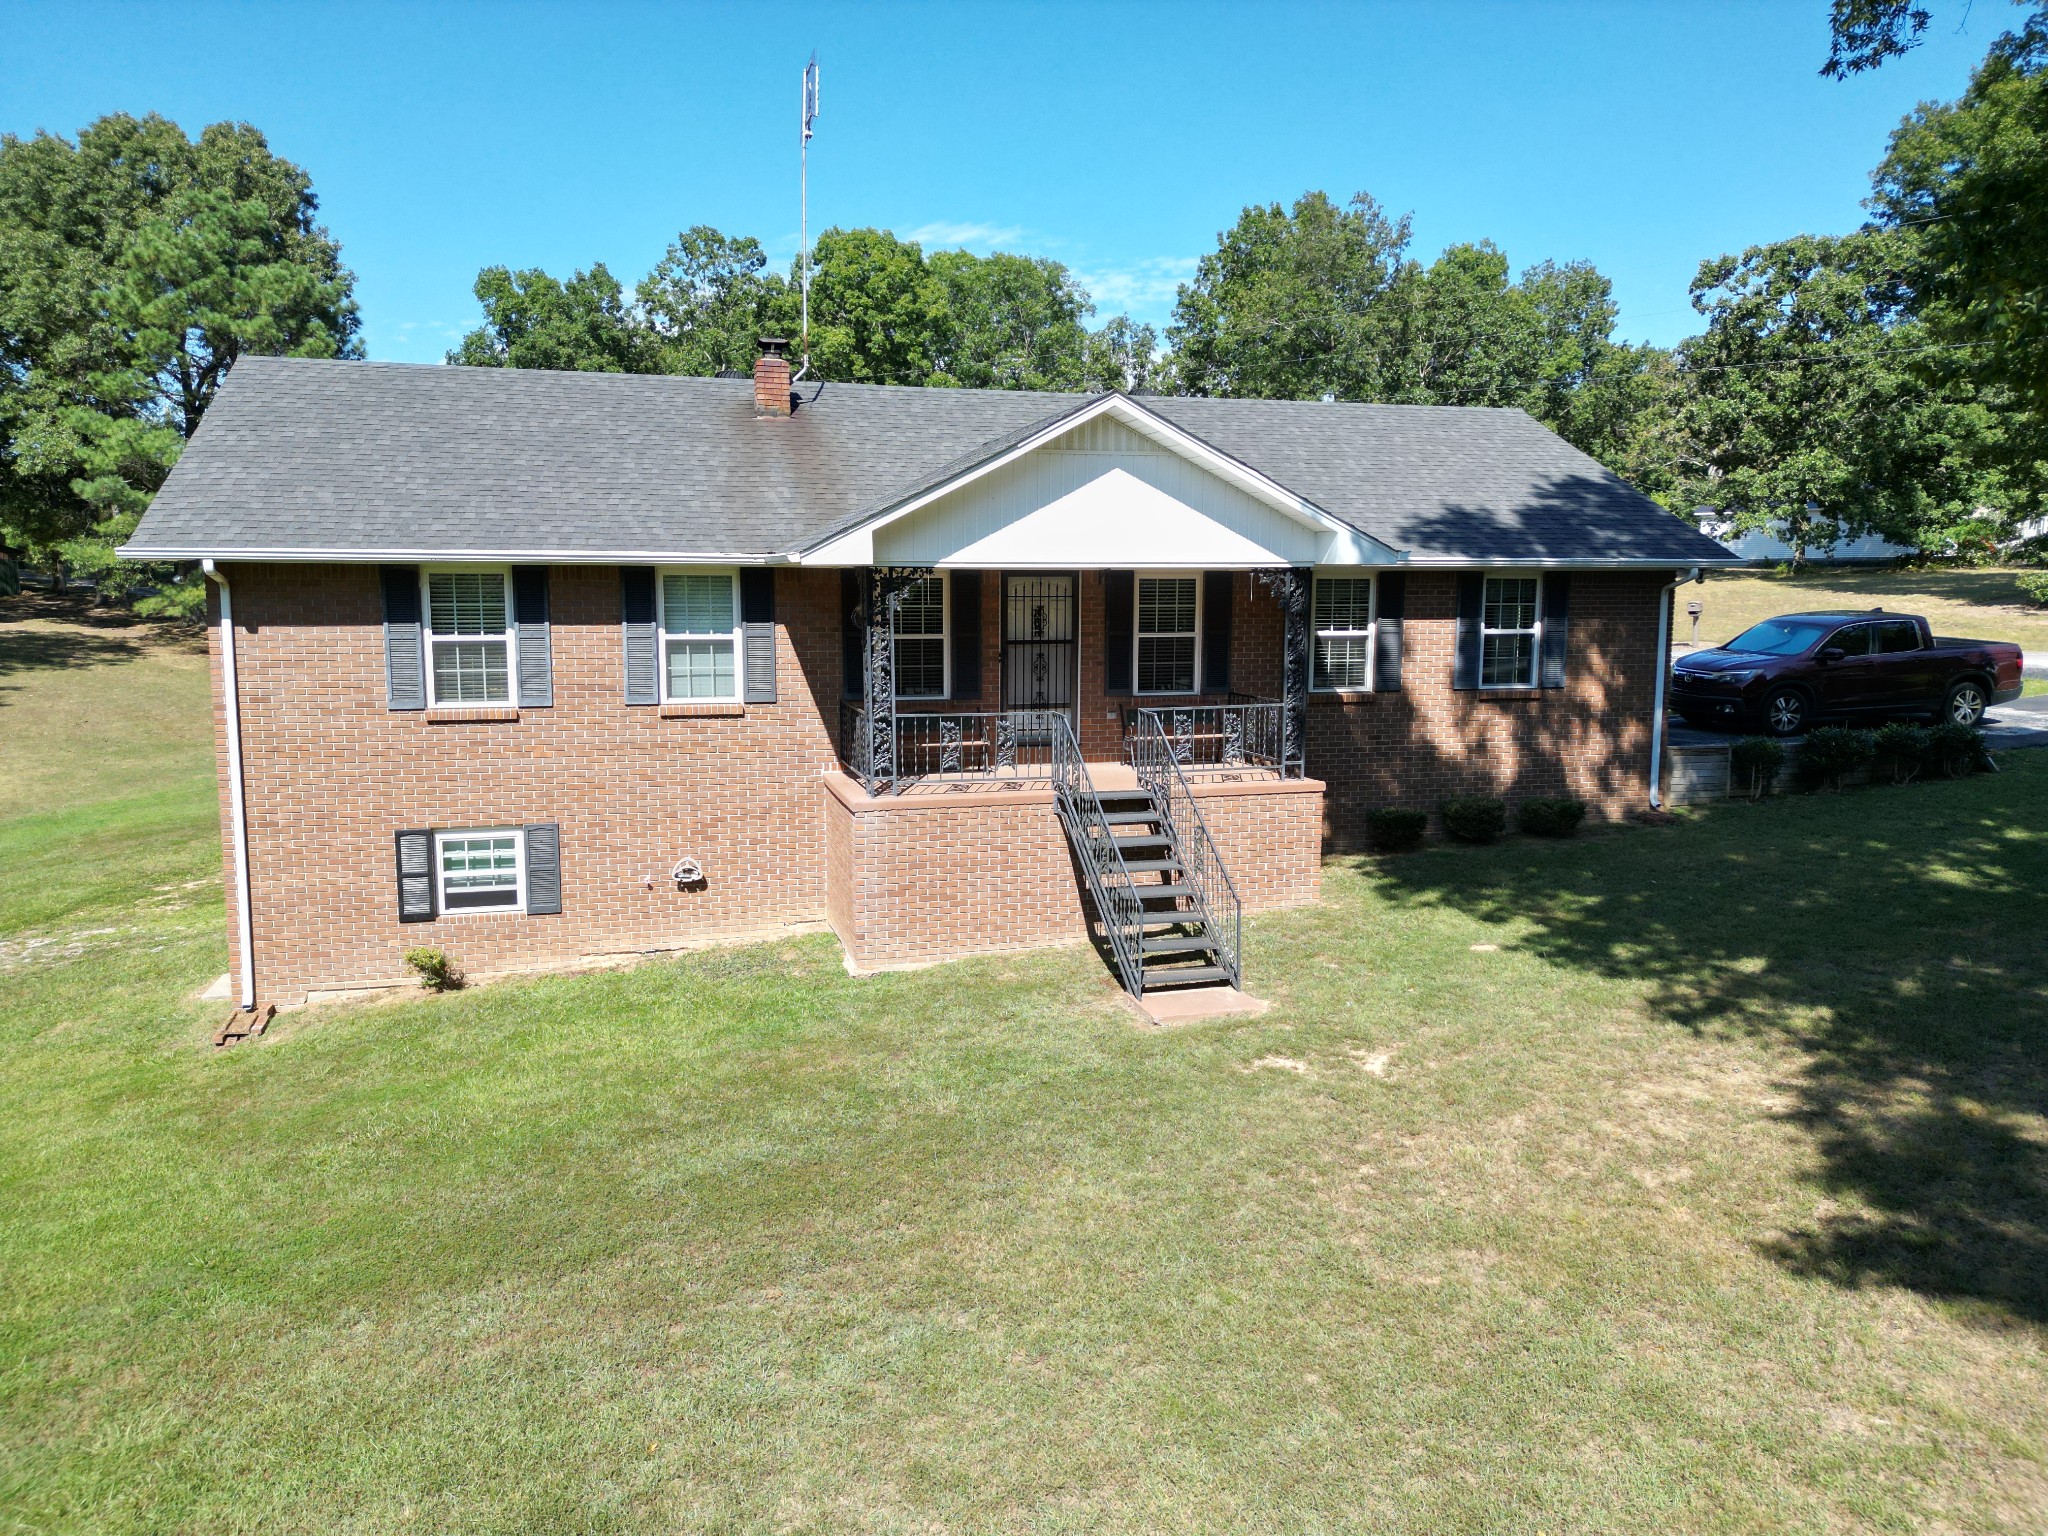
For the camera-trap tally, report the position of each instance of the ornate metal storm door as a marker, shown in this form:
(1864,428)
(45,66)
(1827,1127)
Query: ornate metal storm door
(1038,652)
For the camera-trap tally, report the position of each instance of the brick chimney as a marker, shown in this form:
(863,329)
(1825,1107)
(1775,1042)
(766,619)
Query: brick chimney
(771,378)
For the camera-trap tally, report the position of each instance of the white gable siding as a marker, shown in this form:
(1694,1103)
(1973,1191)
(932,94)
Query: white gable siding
(1100,496)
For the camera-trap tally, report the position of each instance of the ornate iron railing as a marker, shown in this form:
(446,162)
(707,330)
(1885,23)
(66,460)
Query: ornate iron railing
(1014,744)
(1100,854)
(1243,732)
(1155,760)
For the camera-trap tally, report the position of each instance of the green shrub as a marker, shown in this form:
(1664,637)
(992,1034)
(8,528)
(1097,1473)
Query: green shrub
(1833,752)
(1956,750)
(1550,818)
(1393,831)
(2035,585)
(1475,818)
(1753,765)
(436,971)
(1901,751)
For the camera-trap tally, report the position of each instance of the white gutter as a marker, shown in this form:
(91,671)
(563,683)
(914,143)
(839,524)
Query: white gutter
(1663,671)
(239,823)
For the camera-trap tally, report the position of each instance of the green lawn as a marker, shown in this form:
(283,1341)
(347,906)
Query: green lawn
(1971,604)
(1671,1180)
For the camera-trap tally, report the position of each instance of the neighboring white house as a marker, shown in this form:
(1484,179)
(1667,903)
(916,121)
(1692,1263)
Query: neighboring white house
(1762,546)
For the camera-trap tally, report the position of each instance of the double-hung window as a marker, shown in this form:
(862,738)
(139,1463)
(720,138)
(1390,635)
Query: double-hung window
(1168,632)
(469,637)
(481,869)
(921,650)
(700,651)
(1509,632)
(1343,625)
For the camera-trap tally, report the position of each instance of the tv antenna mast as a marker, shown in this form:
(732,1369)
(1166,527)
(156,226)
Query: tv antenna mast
(809,115)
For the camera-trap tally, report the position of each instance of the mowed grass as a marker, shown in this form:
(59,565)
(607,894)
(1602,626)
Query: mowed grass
(1682,1180)
(1968,604)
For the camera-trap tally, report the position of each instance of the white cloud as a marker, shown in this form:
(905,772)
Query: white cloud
(1145,289)
(950,234)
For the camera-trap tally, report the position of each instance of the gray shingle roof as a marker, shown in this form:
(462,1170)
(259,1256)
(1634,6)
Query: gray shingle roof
(304,458)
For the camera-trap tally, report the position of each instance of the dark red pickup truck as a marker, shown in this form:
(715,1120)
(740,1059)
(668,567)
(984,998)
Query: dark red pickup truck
(1789,672)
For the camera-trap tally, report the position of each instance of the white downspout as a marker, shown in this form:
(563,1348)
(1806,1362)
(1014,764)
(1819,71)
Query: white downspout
(1663,671)
(239,824)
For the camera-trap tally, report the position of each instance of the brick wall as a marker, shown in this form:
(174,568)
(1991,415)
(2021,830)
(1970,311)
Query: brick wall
(332,774)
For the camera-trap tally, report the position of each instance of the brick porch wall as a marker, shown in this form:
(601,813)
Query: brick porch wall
(932,876)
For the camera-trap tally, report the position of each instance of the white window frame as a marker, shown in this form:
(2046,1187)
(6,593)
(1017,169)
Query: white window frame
(944,637)
(1535,634)
(1370,634)
(518,902)
(1139,633)
(510,636)
(662,635)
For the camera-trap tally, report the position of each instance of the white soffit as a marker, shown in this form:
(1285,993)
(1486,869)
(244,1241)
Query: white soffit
(1110,485)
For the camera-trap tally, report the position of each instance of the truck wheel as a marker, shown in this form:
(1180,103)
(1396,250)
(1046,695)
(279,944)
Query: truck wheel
(1965,704)
(1785,712)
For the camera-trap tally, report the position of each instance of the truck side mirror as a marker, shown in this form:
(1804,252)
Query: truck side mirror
(1829,653)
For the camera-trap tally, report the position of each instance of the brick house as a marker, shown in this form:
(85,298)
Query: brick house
(540,668)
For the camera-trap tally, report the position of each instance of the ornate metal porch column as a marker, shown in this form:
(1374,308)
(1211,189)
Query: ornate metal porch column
(886,586)
(1292,587)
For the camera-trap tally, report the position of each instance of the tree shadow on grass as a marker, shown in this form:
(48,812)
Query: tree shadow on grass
(44,650)
(1898,938)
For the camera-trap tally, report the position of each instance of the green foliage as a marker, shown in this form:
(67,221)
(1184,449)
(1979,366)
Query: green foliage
(135,266)
(437,973)
(1957,750)
(1394,831)
(1550,818)
(1754,763)
(2034,584)
(1011,322)
(1125,355)
(1831,753)
(708,302)
(1901,751)
(531,320)
(1475,818)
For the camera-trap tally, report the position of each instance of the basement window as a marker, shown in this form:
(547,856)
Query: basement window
(1168,633)
(481,869)
(469,637)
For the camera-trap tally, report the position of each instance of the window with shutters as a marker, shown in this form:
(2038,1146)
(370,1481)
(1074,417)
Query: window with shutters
(1168,636)
(481,869)
(700,636)
(921,650)
(469,636)
(1343,633)
(1510,632)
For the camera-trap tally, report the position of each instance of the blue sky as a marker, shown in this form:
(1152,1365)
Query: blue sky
(1641,134)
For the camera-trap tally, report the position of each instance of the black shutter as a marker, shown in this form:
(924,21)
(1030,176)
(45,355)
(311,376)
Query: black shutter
(966,637)
(544,869)
(536,645)
(1557,622)
(1216,587)
(757,631)
(405,668)
(636,607)
(1471,607)
(1390,599)
(853,636)
(415,876)
(1119,626)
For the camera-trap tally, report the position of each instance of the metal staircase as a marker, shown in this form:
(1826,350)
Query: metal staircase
(1156,883)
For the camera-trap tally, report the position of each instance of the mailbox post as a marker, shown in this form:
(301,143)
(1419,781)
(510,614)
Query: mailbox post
(1694,609)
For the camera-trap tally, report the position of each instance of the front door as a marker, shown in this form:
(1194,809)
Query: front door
(1039,661)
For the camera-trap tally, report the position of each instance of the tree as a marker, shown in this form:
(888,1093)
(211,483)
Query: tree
(1124,355)
(708,302)
(1805,412)
(1011,322)
(135,267)
(1295,303)
(1467,335)
(878,313)
(532,320)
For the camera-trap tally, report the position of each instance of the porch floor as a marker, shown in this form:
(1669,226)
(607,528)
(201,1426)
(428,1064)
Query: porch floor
(1105,776)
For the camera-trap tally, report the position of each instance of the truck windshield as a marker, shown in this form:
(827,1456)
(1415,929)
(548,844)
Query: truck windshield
(1778,637)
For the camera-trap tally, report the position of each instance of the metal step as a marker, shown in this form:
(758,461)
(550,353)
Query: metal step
(1177,944)
(1130,818)
(1143,840)
(1149,892)
(1142,866)
(1194,975)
